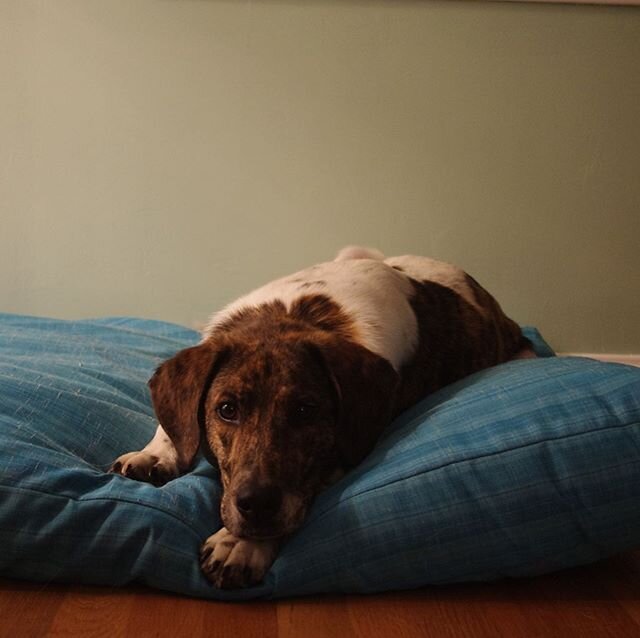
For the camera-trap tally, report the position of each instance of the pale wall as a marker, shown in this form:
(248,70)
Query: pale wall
(159,158)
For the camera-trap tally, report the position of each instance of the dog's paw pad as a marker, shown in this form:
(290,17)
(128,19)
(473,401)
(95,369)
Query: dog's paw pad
(229,562)
(142,466)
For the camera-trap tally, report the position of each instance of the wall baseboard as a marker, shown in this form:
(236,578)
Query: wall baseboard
(628,359)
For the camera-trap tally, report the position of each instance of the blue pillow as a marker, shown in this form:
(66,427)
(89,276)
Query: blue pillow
(520,469)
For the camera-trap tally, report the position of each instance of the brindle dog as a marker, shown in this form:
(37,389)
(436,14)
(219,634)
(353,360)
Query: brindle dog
(292,385)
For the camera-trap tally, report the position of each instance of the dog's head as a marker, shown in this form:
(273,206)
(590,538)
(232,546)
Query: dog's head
(281,416)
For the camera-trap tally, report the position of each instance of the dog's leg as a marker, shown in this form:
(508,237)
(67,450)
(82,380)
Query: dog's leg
(230,562)
(156,463)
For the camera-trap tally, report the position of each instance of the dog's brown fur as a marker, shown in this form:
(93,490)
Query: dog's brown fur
(461,340)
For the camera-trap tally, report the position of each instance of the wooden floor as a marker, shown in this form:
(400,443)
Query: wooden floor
(599,600)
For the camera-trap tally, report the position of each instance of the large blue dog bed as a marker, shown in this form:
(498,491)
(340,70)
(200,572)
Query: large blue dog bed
(521,469)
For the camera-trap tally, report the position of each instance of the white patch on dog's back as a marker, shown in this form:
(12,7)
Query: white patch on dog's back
(358,252)
(372,294)
(440,272)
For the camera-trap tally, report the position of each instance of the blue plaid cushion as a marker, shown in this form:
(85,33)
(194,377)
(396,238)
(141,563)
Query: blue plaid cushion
(524,468)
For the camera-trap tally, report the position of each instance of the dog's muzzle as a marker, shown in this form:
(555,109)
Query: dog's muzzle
(259,504)
(261,510)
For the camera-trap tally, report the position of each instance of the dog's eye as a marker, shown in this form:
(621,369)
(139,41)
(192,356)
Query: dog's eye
(227,411)
(306,411)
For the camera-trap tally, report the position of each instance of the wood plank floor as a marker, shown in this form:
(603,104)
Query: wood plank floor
(594,601)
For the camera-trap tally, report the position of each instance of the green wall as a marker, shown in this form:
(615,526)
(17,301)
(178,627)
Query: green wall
(160,158)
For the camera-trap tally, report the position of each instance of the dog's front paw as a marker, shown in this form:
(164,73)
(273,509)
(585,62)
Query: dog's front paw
(143,466)
(230,562)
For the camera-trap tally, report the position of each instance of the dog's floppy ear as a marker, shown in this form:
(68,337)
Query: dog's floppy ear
(365,386)
(178,389)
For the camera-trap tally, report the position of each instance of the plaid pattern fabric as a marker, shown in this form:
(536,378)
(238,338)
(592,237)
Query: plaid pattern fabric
(521,469)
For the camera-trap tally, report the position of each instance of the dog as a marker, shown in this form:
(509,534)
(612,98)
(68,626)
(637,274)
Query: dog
(292,384)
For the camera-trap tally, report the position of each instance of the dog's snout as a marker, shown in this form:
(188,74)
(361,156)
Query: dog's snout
(258,502)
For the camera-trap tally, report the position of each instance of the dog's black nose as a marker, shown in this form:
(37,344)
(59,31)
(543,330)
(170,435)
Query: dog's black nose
(258,502)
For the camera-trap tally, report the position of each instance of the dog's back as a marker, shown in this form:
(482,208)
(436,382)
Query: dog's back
(432,321)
